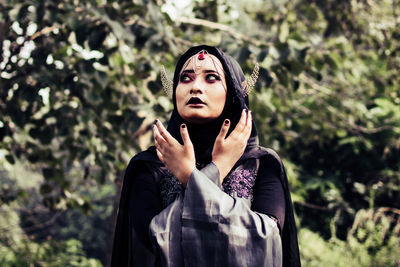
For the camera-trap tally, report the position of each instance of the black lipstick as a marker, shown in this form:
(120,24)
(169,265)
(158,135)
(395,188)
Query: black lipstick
(195,100)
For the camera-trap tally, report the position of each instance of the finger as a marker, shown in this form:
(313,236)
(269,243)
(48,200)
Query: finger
(157,144)
(249,125)
(159,141)
(163,132)
(248,117)
(160,156)
(185,136)
(224,130)
(157,135)
(244,127)
(242,123)
(249,120)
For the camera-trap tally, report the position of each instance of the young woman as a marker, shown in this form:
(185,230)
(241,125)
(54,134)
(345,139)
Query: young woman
(207,194)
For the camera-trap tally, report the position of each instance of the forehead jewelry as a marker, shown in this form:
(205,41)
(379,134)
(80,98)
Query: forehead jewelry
(199,59)
(247,85)
(250,82)
(166,82)
(202,55)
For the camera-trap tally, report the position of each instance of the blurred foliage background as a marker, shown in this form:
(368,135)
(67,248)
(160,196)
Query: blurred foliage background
(80,87)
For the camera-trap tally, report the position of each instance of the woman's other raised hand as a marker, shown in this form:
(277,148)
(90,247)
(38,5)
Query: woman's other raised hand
(228,150)
(179,159)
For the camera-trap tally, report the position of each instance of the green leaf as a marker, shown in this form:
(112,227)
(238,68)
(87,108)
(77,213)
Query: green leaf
(283,32)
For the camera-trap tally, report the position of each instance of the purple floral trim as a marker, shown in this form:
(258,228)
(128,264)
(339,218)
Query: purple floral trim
(170,187)
(240,183)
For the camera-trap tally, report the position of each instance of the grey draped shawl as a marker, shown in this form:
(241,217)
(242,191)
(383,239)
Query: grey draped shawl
(204,226)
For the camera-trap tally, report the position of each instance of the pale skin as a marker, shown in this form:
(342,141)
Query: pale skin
(180,159)
(207,83)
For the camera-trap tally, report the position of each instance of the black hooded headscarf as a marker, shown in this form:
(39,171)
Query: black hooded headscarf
(203,137)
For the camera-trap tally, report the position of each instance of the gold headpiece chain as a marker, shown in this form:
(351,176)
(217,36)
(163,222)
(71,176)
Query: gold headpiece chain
(247,85)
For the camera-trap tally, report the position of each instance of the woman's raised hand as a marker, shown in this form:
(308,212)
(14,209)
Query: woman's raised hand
(179,159)
(227,151)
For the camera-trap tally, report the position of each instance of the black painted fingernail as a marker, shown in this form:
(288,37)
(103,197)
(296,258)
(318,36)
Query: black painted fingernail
(226,122)
(183,126)
(155,122)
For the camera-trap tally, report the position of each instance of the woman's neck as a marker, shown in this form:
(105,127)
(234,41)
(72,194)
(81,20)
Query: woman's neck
(203,137)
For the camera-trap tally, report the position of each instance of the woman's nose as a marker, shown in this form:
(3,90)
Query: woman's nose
(197,87)
(196,91)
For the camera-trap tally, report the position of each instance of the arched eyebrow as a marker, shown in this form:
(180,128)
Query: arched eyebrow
(204,71)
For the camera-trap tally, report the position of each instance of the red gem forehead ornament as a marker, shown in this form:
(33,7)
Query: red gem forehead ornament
(202,55)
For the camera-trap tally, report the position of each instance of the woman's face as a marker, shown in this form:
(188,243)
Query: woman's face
(201,90)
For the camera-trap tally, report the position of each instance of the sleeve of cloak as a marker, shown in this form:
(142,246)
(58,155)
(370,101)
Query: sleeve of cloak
(210,228)
(269,197)
(139,203)
(290,247)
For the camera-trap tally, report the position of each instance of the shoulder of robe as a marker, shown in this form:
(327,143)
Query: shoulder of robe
(145,161)
(148,156)
(262,153)
(272,155)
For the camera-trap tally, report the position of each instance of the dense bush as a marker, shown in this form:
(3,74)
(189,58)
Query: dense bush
(373,241)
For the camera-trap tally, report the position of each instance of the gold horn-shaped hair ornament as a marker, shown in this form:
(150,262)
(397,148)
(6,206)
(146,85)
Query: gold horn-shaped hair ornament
(166,82)
(250,82)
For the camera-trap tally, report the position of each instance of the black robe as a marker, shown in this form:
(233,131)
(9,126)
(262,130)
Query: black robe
(129,249)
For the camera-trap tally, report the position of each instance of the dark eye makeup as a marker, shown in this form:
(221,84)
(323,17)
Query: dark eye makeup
(185,78)
(213,77)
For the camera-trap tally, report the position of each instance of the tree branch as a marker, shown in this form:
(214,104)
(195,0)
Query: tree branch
(218,26)
(312,206)
(43,31)
(43,225)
